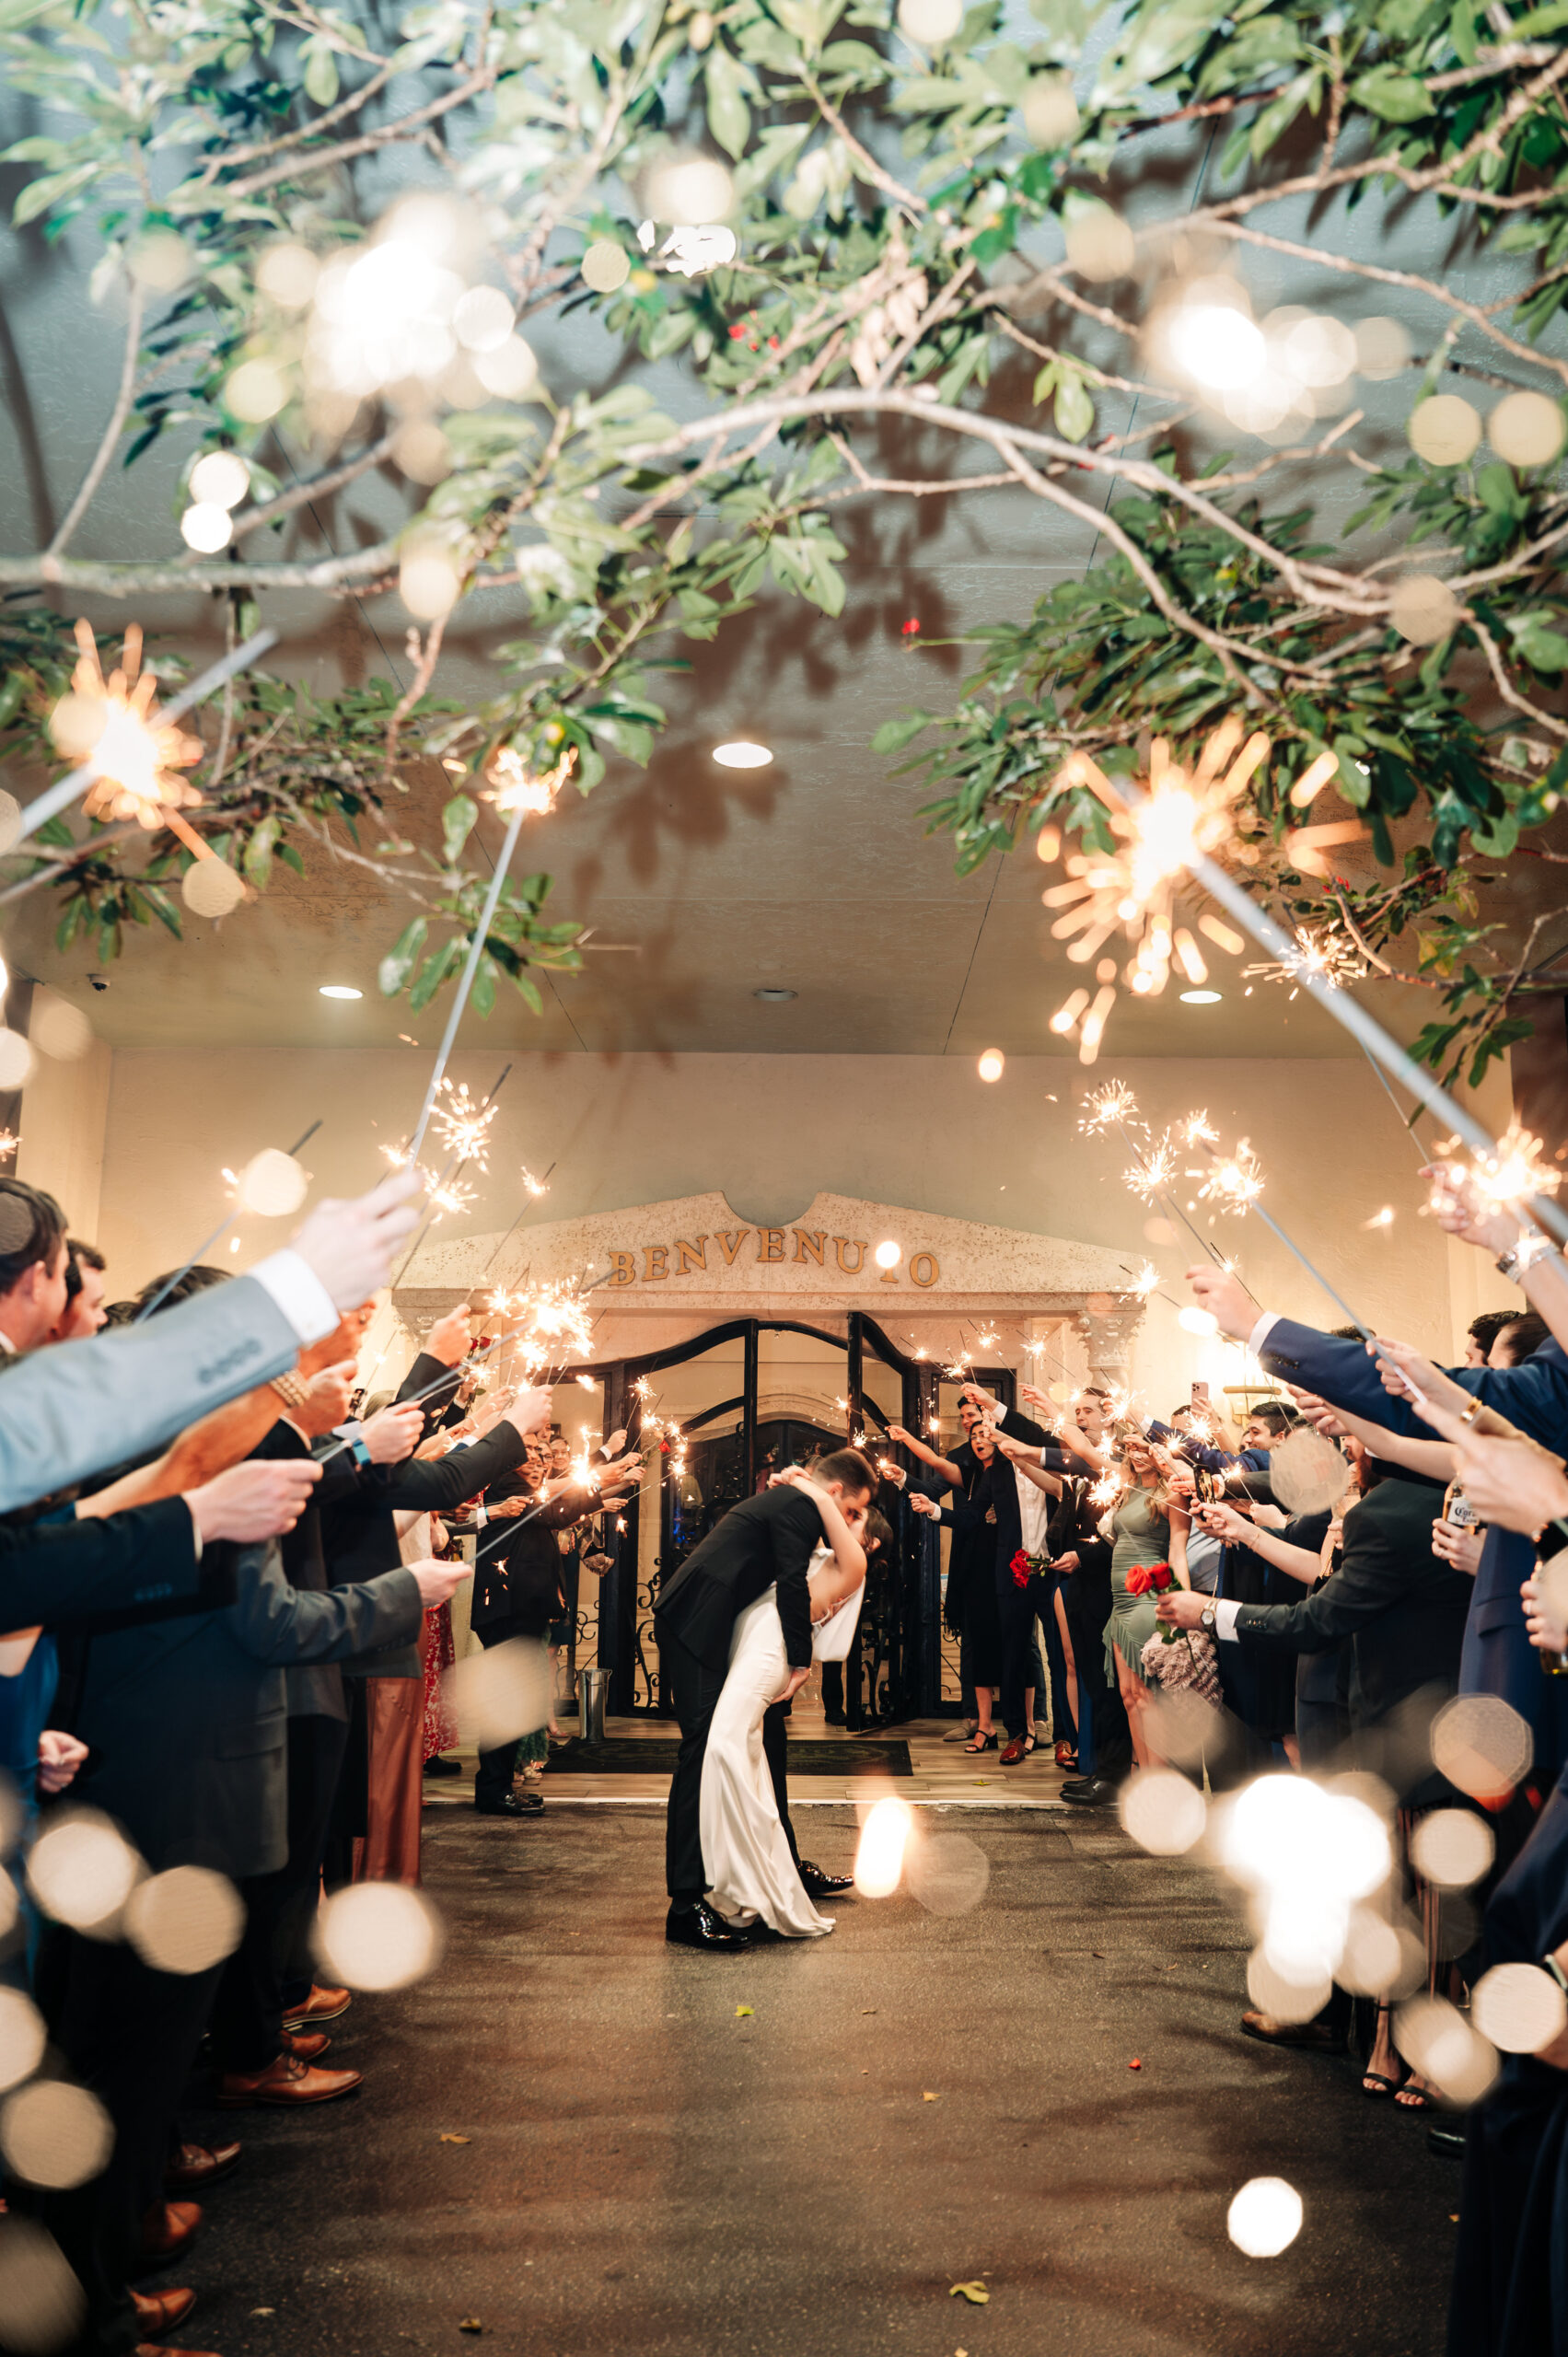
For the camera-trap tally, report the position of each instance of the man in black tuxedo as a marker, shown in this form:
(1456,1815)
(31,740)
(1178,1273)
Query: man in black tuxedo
(765,1542)
(1083,1559)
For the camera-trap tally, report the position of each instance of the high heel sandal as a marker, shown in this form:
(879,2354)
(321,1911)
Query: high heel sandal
(1066,1757)
(980,1742)
(1379,2087)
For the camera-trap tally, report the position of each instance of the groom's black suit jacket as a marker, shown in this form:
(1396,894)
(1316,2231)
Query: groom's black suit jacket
(763,1541)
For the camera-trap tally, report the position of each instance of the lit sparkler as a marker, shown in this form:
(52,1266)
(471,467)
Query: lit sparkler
(10,1142)
(453,1195)
(1160,833)
(1235,1183)
(516,787)
(1113,1102)
(1514,1169)
(113,726)
(1322,953)
(463,1127)
(532,1185)
(1106,1491)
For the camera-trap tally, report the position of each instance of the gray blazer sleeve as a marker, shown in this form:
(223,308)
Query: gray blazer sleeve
(277,1623)
(72,1409)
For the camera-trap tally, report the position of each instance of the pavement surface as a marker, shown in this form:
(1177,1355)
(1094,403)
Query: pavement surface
(918,2101)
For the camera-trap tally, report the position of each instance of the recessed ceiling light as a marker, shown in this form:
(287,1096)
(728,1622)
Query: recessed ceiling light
(771,997)
(742,755)
(1199,998)
(340,990)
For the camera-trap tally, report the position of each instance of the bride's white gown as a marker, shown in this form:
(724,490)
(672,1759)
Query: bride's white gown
(745,1855)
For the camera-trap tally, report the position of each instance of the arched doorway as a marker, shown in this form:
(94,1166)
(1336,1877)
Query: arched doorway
(748,1395)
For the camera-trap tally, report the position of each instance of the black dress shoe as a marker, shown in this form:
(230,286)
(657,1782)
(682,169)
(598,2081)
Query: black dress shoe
(512,1805)
(698,1927)
(821,1886)
(436,1766)
(1449,2141)
(1091,1792)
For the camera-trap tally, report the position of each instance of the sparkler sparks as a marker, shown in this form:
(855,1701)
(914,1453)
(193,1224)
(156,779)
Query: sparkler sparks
(463,1126)
(1323,952)
(452,1194)
(1113,1102)
(1517,1167)
(532,1185)
(556,1328)
(516,787)
(1236,1181)
(1146,1281)
(1160,833)
(1106,1491)
(10,1142)
(113,726)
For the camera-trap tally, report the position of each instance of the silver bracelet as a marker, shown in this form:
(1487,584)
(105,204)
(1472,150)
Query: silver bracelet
(1523,1255)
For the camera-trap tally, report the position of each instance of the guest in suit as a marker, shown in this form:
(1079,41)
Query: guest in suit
(517,1596)
(85,1287)
(1534,1394)
(1403,1613)
(33,1265)
(186,1724)
(765,1542)
(1023,1510)
(66,1414)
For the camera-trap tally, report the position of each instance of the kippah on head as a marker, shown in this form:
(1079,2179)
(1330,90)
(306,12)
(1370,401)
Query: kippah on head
(16,1223)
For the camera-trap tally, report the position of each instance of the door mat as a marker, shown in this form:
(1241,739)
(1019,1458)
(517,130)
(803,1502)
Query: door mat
(655,1756)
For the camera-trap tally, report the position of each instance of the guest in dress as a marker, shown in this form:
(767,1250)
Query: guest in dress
(1145,1527)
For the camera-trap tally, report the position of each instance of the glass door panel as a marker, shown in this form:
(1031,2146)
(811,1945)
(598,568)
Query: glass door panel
(694,1473)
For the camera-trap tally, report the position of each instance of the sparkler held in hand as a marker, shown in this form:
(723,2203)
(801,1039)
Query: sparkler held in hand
(1235,1183)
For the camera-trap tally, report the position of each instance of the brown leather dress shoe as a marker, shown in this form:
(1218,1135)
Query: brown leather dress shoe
(287,2081)
(1017,1750)
(306,2046)
(159,2312)
(169,2228)
(197,2165)
(321,2006)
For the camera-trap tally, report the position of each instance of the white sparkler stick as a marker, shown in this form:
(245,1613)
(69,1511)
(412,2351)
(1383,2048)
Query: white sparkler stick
(1354,1019)
(476,951)
(63,793)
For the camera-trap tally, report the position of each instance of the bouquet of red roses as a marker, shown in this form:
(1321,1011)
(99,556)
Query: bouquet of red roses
(1154,1579)
(1026,1567)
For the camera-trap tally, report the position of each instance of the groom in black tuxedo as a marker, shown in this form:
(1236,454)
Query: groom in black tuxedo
(765,1542)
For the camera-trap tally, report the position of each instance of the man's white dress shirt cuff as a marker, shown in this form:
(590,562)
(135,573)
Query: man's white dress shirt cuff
(300,1294)
(1225,1611)
(1261,1331)
(195,1529)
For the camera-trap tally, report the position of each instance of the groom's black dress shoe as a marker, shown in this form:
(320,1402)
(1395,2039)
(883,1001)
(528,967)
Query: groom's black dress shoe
(1090,1792)
(512,1805)
(698,1927)
(821,1886)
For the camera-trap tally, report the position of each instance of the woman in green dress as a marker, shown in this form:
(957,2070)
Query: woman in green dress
(1146,1528)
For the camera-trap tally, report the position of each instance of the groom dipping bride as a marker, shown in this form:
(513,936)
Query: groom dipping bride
(775,1585)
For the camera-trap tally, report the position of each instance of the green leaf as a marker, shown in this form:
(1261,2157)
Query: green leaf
(320,71)
(894,735)
(1075,408)
(258,853)
(1539,21)
(457,822)
(1393,96)
(481,998)
(434,973)
(401,960)
(729,117)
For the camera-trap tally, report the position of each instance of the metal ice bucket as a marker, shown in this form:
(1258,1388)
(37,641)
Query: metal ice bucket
(590,1704)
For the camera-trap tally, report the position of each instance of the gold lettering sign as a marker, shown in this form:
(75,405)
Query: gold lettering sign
(810,1251)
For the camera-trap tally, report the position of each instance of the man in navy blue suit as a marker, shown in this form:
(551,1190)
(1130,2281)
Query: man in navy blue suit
(1534,1394)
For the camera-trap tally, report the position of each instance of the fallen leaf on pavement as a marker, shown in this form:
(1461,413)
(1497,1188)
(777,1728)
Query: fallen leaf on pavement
(1134,2064)
(976,2293)
(263,2312)
(744,2009)
(930,2099)
(469,2324)
(868,2009)
(454,2140)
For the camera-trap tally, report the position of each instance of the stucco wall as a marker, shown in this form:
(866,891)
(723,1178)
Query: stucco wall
(770,1132)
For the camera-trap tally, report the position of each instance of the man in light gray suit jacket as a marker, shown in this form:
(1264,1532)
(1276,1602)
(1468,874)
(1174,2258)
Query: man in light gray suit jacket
(70,1411)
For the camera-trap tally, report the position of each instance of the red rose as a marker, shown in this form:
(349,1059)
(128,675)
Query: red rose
(1138,1580)
(1162,1579)
(1021,1569)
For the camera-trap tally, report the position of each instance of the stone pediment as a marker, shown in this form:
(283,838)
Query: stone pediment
(695,1252)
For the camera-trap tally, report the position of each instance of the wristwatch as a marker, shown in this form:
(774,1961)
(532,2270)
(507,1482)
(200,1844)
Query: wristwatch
(1523,1256)
(1207,1618)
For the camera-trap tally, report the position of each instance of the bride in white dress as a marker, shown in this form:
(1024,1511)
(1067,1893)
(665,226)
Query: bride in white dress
(746,1855)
